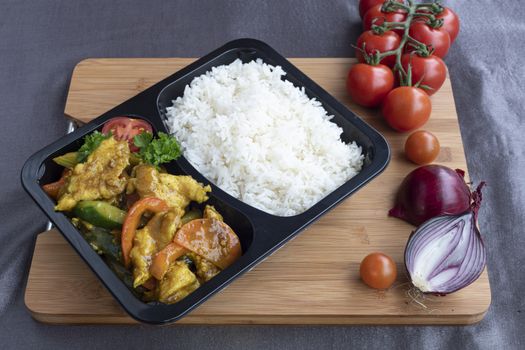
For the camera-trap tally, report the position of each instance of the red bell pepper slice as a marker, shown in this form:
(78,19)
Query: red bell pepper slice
(132,221)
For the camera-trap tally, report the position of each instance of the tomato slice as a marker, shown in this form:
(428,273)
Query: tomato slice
(163,259)
(53,189)
(150,284)
(211,239)
(124,128)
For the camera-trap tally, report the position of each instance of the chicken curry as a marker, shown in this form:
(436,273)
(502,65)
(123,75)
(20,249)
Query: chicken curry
(154,229)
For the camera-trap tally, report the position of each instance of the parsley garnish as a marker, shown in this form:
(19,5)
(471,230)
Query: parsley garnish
(143,139)
(163,149)
(91,142)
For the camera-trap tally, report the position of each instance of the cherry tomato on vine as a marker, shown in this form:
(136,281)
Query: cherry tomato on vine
(450,23)
(406,108)
(375,12)
(365,5)
(437,38)
(378,42)
(368,85)
(378,271)
(422,147)
(430,71)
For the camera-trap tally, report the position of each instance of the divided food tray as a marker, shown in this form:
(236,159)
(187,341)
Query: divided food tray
(260,233)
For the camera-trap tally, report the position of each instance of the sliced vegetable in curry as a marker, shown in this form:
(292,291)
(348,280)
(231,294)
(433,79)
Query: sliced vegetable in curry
(154,229)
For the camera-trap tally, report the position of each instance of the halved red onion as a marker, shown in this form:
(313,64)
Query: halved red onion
(446,253)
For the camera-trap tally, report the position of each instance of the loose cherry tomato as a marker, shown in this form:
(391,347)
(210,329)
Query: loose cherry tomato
(450,23)
(378,42)
(430,71)
(124,128)
(368,85)
(375,12)
(422,147)
(438,38)
(378,271)
(365,5)
(406,108)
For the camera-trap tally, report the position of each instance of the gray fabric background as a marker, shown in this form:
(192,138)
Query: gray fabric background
(41,41)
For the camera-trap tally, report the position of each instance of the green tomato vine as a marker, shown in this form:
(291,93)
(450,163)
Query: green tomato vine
(413,12)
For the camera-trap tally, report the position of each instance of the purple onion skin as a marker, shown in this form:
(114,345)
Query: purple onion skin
(430,191)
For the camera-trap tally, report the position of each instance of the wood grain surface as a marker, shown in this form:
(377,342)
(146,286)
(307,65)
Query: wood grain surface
(312,280)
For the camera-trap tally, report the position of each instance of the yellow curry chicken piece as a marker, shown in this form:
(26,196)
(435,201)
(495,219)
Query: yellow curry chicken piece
(177,284)
(156,235)
(204,269)
(177,191)
(144,247)
(211,213)
(100,177)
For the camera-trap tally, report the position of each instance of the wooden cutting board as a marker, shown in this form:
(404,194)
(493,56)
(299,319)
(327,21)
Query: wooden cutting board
(312,280)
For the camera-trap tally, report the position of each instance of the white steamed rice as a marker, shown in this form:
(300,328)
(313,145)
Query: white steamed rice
(261,139)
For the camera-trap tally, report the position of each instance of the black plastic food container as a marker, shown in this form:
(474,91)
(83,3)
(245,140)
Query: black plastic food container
(260,233)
